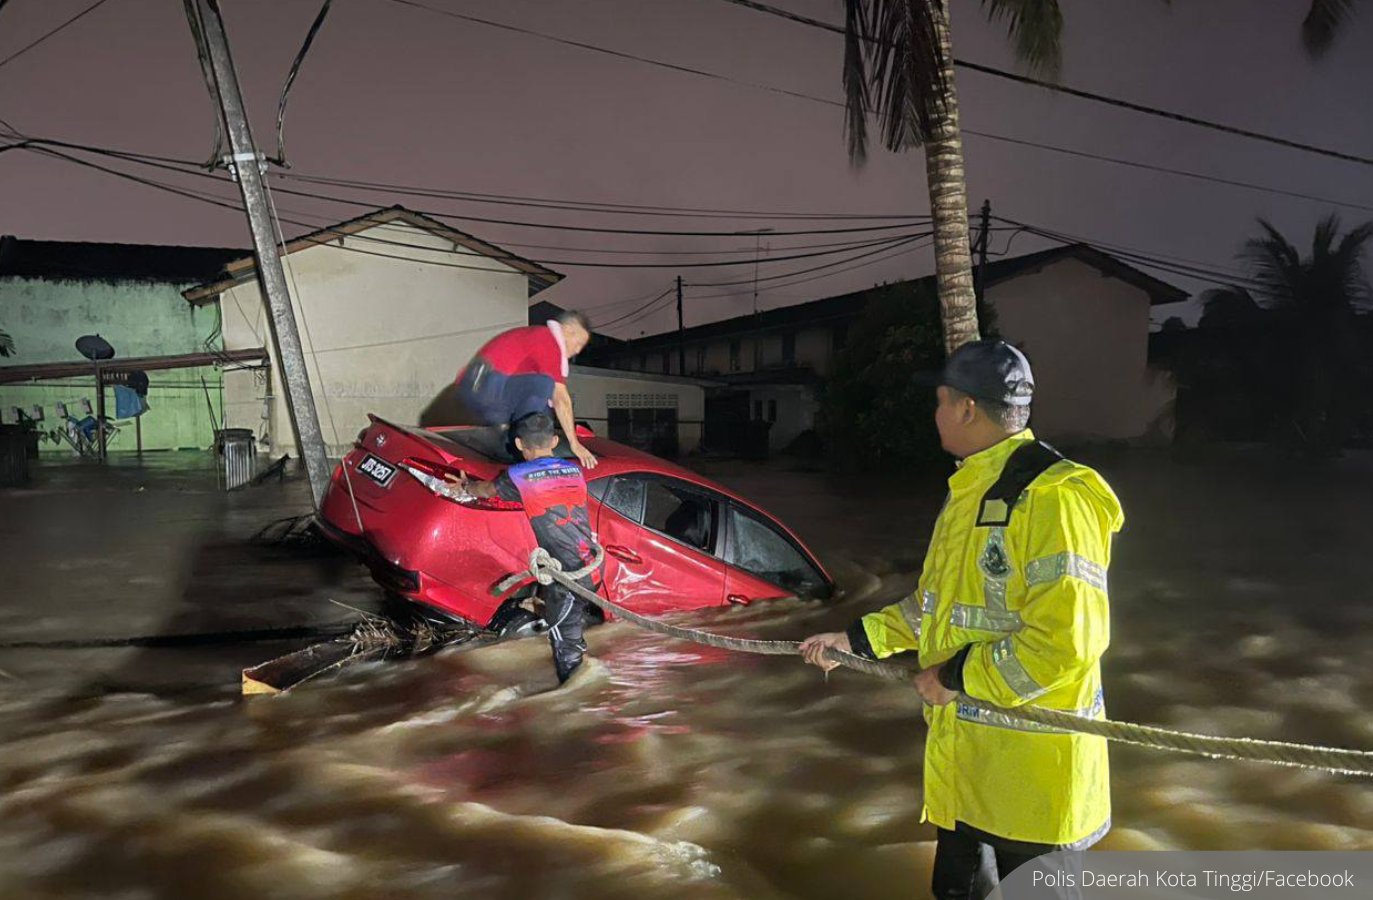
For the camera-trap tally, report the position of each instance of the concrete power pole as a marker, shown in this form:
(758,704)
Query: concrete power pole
(681,332)
(246,166)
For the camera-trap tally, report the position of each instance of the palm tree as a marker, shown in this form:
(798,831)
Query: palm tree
(898,65)
(1316,299)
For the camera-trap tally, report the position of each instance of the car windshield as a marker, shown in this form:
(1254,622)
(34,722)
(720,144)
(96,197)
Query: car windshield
(756,547)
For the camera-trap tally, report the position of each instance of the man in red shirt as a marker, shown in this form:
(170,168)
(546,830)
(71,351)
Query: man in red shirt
(523,372)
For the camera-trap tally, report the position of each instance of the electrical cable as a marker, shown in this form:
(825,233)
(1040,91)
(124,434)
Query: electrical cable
(291,80)
(839,104)
(72,21)
(592,206)
(1082,94)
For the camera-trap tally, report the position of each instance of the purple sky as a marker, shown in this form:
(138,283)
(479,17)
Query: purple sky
(398,94)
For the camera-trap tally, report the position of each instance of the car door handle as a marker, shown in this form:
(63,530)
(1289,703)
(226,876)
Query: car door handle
(739,599)
(623,553)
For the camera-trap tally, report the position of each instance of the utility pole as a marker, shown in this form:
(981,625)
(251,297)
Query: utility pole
(757,335)
(982,249)
(681,332)
(247,166)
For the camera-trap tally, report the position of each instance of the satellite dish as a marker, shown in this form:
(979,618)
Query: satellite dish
(94,347)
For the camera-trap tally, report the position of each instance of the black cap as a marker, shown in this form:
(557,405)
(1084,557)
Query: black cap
(987,370)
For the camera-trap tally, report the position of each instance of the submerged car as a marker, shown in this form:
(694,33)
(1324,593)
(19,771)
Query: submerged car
(674,540)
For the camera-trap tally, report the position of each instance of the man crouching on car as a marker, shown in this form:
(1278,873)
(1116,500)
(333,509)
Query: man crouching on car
(553,492)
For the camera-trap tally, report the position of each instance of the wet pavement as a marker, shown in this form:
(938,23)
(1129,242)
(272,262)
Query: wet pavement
(1240,606)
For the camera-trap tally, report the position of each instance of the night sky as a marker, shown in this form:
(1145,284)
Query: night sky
(398,94)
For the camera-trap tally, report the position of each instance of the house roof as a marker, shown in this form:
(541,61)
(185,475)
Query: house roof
(244,268)
(87,261)
(848,306)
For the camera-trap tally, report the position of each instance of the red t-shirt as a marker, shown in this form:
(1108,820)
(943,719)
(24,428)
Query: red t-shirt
(527,351)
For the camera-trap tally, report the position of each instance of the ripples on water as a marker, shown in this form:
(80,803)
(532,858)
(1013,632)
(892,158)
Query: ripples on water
(662,770)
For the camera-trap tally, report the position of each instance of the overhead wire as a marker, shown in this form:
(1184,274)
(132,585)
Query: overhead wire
(640,309)
(879,241)
(769,9)
(594,206)
(291,80)
(839,104)
(48,34)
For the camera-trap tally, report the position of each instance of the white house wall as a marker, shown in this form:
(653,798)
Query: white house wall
(381,335)
(593,390)
(1087,338)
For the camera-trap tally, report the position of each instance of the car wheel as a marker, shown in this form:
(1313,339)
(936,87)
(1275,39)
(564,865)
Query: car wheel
(514,621)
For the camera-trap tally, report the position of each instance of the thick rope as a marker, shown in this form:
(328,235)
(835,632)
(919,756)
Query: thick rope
(544,569)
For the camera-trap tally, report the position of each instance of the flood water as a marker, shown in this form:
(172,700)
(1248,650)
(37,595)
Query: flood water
(1241,606)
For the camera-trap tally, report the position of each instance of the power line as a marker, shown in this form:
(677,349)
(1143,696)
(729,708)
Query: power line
(594,206)
(891,253)
(29,46)
(1052,148)
(572,263)
(1077,92)
(639,309)
(886,246)
(323,240)
(592,47)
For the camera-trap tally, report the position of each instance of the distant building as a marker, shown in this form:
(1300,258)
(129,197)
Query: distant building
(1081,315)
(53,292)
(390,305)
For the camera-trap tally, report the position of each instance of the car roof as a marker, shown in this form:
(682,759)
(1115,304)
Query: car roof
(614,458)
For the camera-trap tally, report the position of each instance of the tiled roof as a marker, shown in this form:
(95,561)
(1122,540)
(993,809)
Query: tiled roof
(83,261)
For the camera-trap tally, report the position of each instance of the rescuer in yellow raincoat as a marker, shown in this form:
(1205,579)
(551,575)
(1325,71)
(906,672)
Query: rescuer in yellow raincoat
(1011,608)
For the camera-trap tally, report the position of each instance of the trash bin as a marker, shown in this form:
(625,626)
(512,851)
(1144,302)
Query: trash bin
(237,452)
(14,455)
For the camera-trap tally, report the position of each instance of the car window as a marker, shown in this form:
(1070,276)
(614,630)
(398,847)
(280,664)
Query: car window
(625,496)
(758,548)
(680,512)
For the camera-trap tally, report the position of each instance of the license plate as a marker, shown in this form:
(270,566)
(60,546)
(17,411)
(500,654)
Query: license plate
(378,470)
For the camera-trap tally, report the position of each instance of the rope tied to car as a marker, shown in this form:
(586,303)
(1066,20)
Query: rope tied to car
(546,570)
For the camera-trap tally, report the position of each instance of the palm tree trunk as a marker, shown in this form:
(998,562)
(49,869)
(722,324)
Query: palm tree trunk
(948,187)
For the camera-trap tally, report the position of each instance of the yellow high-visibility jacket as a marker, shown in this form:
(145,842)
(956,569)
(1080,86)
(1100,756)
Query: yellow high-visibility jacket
(1029,602)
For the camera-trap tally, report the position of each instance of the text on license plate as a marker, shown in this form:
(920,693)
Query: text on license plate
(379,471)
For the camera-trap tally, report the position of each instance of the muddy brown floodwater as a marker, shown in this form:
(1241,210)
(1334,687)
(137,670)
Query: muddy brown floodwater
(1241,606)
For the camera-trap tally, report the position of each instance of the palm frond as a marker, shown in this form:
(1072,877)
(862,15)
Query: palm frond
(1347,259)
(907,67)
(6,344)
(1035,27)
(1325,286)
(1323,23)
(1275,263)
(1323,238)
(857,100)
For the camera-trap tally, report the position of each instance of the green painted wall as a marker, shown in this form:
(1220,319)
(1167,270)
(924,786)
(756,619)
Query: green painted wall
(140,319)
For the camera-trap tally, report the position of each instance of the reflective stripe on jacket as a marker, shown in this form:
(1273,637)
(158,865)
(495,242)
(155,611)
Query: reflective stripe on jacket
(1029,601)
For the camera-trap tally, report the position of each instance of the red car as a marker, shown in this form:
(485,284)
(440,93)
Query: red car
(673,539)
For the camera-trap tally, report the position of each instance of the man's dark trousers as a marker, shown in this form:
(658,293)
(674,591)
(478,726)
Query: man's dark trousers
(965,868)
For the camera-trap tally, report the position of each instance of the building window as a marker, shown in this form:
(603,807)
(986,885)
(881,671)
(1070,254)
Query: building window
(788,348)
(734,354)
(772,410)
(701,359)
(758,409)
